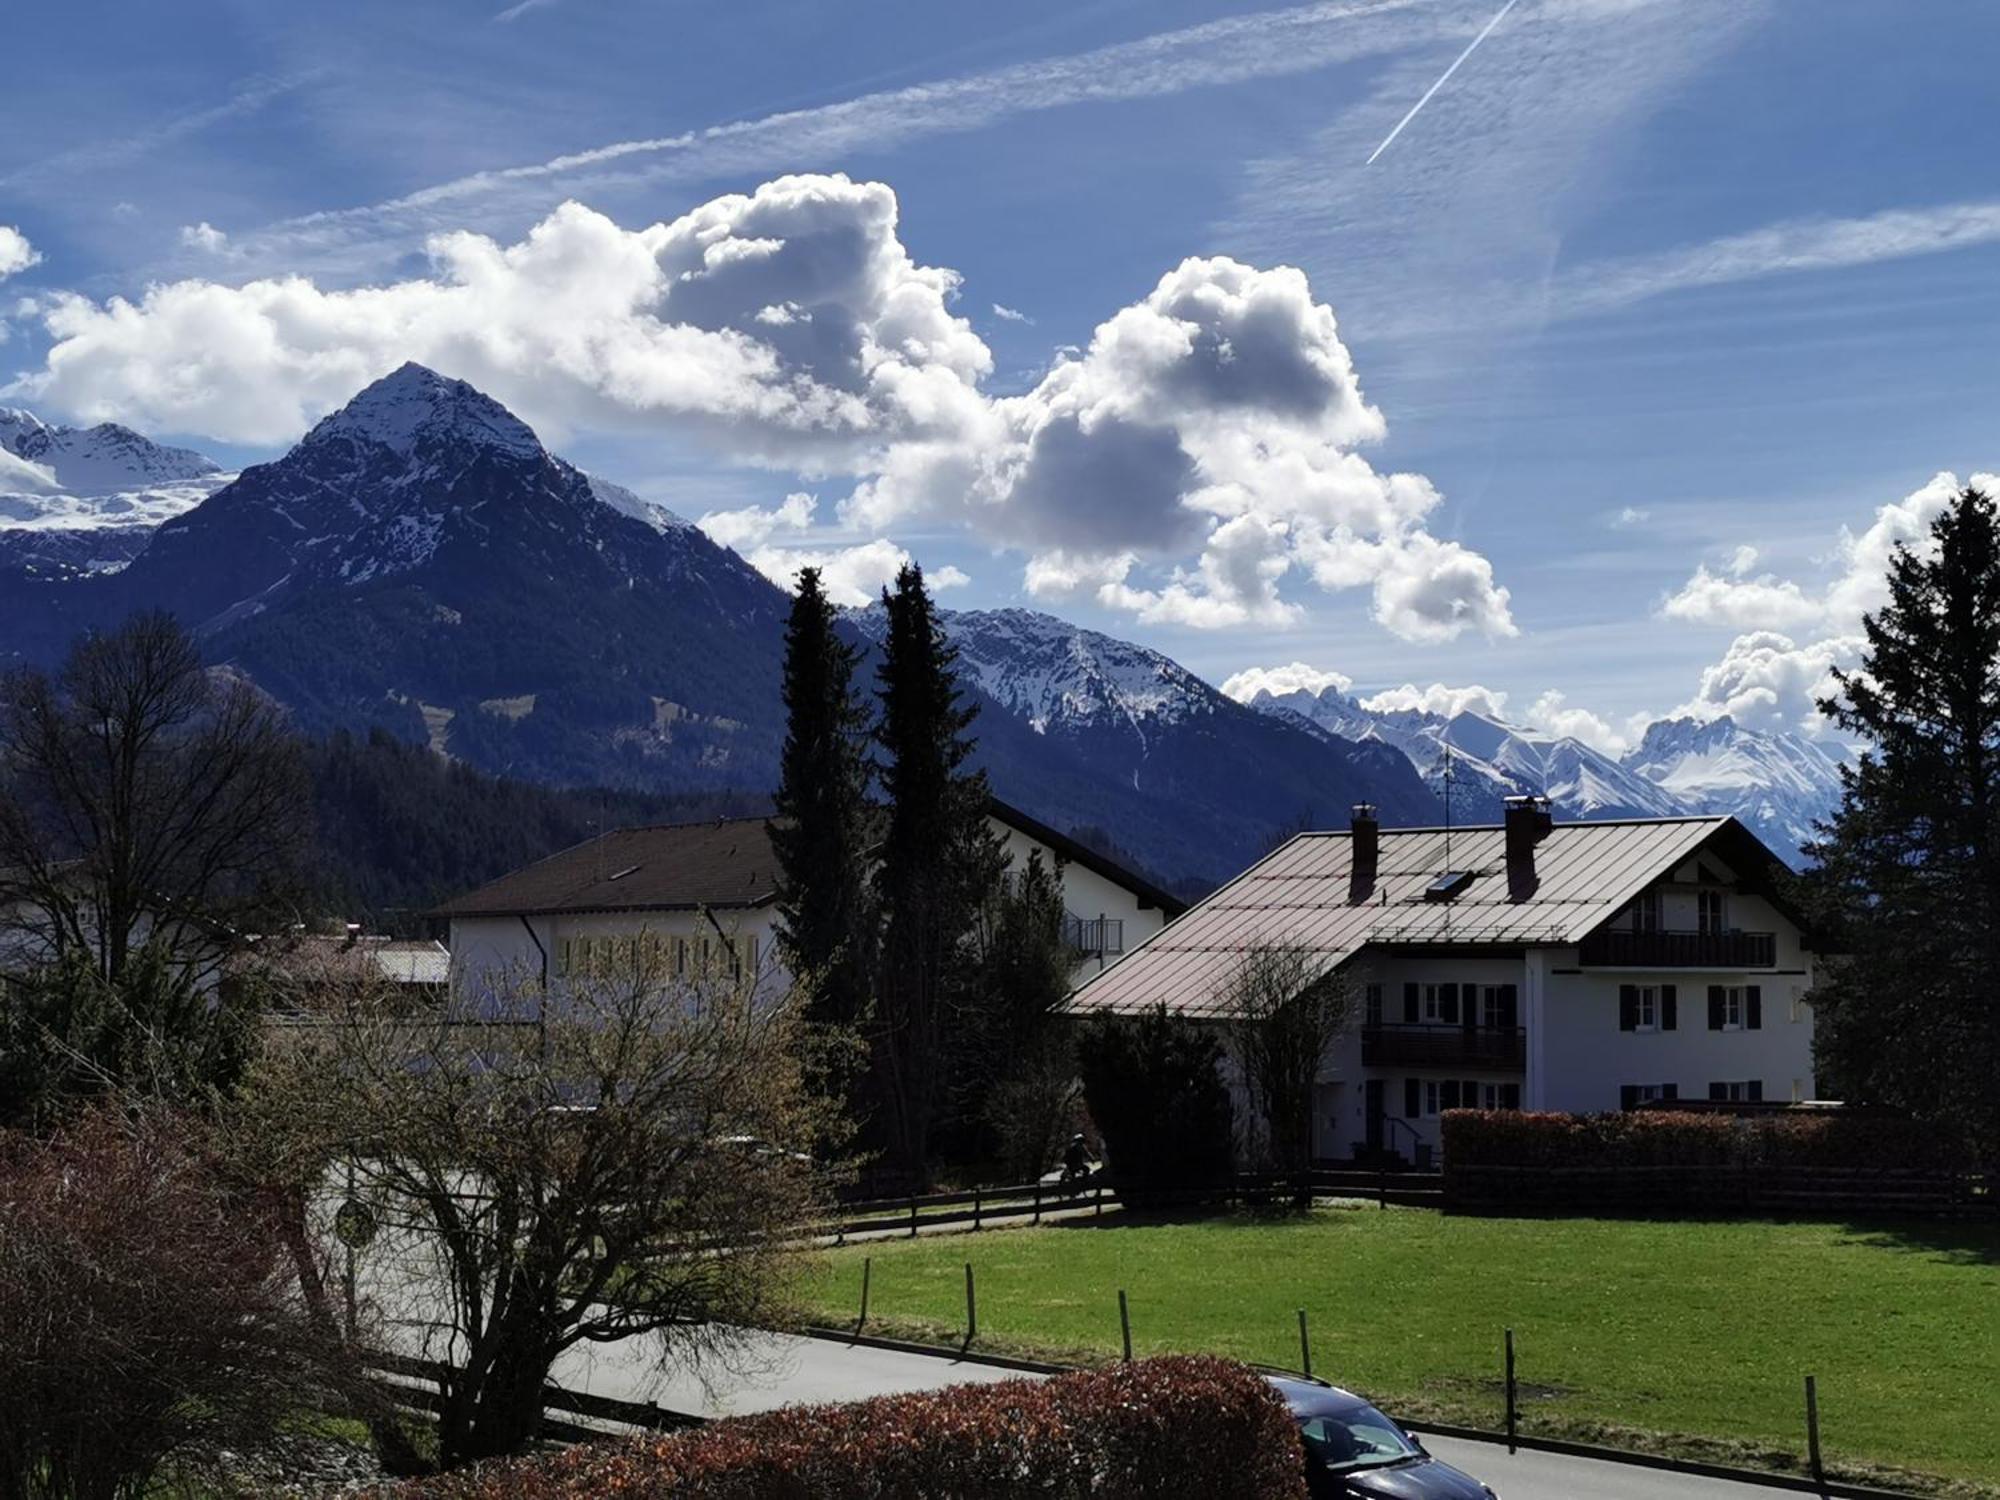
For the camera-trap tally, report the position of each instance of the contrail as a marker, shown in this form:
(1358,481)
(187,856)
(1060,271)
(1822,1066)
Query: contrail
(1441,82)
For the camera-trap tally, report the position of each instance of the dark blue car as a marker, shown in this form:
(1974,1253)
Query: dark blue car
(1354,1451)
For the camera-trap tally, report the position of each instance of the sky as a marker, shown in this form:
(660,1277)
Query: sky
(1598,388)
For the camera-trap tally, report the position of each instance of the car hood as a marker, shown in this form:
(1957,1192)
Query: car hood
(1427,1480)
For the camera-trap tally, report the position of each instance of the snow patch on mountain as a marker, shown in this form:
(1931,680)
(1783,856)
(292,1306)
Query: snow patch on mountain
(414,408)
(1057,675)
(626,503)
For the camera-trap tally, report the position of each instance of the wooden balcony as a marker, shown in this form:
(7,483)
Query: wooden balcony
(1444,1047)
(1680,950)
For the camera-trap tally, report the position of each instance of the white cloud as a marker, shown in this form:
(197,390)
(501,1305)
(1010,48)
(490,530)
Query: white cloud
(1280,682)
(1742,560)
(1010,315)
(1715,599)
(23,476)
(205,237)
(852,576)
(755,523)
(580,321)
(16,254)
(1218,416)
(1631,515)
(1766,680)
(1438,699)
(1549,713)
(1195,460)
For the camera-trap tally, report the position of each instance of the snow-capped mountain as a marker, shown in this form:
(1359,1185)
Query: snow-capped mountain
(420,563)
(1779,784)
(86,499)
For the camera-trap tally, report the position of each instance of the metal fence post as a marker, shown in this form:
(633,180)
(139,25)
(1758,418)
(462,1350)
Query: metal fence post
(1512,1393)
(971,1309)
(867,1266)
(1812,1432)
(1125,1324)
(1305,1347)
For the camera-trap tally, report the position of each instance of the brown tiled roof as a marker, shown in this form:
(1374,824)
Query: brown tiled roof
(1306,894)
(671,866)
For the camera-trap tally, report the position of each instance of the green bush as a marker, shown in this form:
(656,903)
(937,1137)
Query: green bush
(1154,1088)
(1155,1430)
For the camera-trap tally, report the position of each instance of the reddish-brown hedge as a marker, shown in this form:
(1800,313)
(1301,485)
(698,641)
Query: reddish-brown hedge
(1179,1426)
(1647,1138)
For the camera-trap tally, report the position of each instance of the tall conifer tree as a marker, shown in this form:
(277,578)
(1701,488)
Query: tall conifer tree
(939,861)
(1908,877)
(825,917)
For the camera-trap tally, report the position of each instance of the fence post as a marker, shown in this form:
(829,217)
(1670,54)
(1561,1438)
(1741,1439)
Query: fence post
(1305,1347)
(913,1216)
(1512,1393)
(1812,1432)
(867,1266)
(971,1309)
(1100,1200)
(975,1208)
(1381,1186)
(1038,1201)
(1125,1324)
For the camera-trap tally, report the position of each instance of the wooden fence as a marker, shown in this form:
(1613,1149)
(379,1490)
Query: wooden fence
(1721,1189)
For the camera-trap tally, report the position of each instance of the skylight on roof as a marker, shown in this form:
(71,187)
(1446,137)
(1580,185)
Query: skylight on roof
(1448,885)
(628,870)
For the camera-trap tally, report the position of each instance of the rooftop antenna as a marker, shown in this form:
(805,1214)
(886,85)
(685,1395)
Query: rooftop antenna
(1447,806)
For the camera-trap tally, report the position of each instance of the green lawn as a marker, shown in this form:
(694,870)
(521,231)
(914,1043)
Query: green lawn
(1693,1337)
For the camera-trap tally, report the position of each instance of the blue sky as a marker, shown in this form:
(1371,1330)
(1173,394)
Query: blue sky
(1676,306)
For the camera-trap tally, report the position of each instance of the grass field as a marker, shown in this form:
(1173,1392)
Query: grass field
(1690,1337)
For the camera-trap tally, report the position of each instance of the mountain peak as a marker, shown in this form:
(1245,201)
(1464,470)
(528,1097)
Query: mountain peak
(413,406)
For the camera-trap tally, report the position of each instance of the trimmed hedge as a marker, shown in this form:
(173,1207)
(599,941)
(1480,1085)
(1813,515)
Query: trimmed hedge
(1177,1426)
(1666,1138)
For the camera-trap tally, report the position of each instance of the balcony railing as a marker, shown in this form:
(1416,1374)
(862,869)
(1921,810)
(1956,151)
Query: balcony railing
(1444,1047)
(1094,937)
(1681,950)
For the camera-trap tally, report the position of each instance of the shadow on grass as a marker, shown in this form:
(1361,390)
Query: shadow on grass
(1951,1242)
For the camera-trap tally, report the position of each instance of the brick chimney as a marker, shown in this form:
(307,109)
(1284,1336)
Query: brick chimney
(1366,839)
(1528,823)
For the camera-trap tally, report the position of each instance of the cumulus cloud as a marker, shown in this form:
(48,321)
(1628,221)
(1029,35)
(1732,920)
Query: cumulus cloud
(16,254)
(205,237)
(1196,464)
(1438,699)
(1551,713)
(1766,680)
(23,476)
(1720,599)
(1279,682)
(775,540)
(755,523)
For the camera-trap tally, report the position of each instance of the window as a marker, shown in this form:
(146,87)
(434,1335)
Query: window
(1499,1007)
(1499,1096)
(1648,1007)
(1638,1095)
(1749,1090)
(1374,1003)
(1712,911)
(1449,1093)
(1646,912)
(1735,1007)
(1441,1004)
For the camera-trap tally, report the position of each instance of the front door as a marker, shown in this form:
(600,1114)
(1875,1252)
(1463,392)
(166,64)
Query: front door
(1372,1095)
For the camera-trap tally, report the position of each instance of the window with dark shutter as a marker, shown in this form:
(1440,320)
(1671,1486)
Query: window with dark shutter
(1628,1097)
(1716,1001)
(1412,1004)
(1448,1004)
(1670,1091)
(1754,1090)
(1718,1091)
(1510,1096)
(1510,1007)
(1448,1095)
(1413,1099)
(1753,1008)
(1670,1014)
(1628,1007)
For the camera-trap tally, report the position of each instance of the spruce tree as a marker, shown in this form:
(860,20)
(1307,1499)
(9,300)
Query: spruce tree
(939,861)
(825,923)
(1908,884)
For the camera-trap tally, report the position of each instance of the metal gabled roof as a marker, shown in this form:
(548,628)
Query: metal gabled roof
(1306,894)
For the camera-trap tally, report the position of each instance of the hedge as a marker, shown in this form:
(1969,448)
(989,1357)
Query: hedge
(1646,1138)
(1176,1426)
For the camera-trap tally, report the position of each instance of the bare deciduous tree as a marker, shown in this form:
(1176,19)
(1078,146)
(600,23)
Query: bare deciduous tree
(148,1319)
(1285,1013)
(624,1155)
(143,801)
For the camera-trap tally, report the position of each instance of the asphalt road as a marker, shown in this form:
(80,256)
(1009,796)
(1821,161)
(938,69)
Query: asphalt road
(773,1370)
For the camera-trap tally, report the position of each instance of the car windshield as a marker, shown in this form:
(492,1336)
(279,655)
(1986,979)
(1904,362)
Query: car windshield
(1358,1437)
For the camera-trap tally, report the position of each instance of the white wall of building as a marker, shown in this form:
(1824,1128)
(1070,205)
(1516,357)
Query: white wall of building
(486,951)
(1088,895)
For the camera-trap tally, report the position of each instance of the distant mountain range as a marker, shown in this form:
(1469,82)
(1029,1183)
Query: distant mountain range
(420,563)
(1779,784)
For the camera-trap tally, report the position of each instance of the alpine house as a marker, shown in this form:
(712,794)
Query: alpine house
(1526,964)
